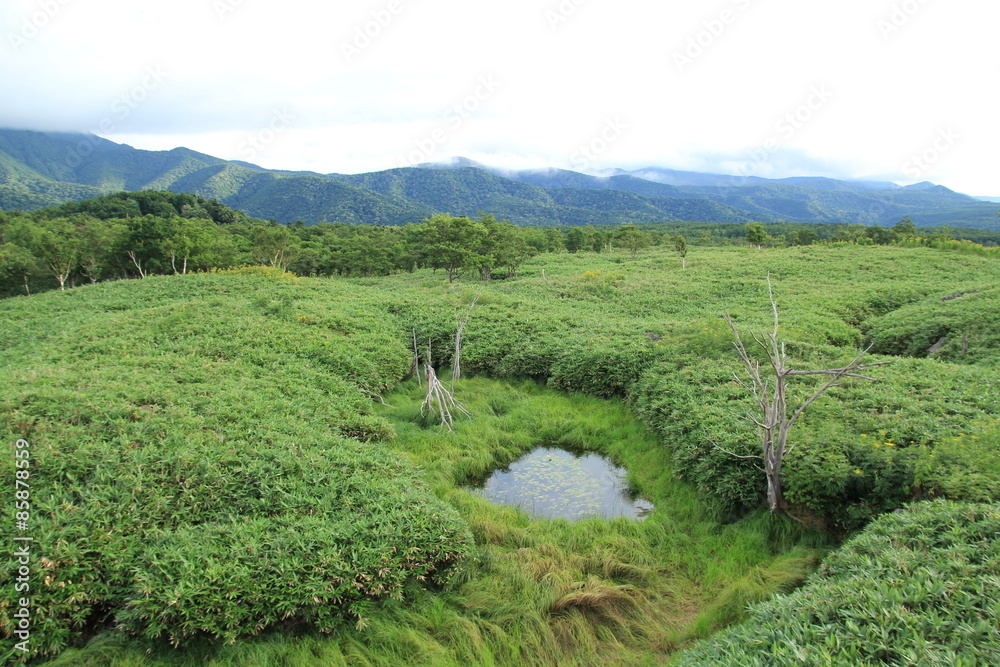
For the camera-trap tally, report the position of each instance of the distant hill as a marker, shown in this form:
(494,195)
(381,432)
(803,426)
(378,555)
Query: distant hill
(40,169)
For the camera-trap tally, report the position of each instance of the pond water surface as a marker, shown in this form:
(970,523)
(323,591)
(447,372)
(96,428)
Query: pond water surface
(557,484)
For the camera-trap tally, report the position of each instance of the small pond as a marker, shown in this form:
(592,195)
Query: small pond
(554,483)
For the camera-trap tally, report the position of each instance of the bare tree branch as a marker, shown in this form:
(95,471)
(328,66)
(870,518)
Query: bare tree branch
(441,401)
(456,367)
(770,395)
(378,396)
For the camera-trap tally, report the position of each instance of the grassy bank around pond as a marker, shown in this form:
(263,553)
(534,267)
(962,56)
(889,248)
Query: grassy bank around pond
(539,592)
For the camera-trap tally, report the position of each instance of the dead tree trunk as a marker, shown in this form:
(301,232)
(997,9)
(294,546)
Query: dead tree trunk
(135,260)
(440,401)
(416,360)
(769,391)
(456,367)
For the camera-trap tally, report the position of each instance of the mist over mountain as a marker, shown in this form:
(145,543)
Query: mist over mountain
(40,169)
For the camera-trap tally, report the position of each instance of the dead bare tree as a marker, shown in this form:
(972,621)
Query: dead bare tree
(456,367)
(440,401)
(416,359)
(135,260)
(769,391)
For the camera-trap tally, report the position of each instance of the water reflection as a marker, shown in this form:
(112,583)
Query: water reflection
(555,483)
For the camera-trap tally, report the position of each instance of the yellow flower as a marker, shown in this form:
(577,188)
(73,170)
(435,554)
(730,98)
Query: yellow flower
(864,435)
(890,444)
(857,472)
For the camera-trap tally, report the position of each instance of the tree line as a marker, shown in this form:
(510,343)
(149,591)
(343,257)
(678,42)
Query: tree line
(136,234)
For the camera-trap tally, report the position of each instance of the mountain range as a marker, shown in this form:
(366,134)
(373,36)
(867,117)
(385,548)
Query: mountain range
(39,169)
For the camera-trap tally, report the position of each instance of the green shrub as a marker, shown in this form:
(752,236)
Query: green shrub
(915,588)
(189,470)
(960,326)
(692,404)
(601,371)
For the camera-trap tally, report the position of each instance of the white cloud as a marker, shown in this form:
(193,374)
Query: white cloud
(233,63)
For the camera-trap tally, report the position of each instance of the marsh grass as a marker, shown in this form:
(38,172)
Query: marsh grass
(537,592)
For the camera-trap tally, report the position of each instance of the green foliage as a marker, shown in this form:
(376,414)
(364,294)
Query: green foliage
(632,239)
(242,388)
(16,265)
(598,371)
(914,588)
(960,326)
(191,474)
(905,228)
(691,404)
(756,235)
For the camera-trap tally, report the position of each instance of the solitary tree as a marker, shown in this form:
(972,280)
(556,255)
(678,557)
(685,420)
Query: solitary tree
(769,389)
(680,245)
(756,234)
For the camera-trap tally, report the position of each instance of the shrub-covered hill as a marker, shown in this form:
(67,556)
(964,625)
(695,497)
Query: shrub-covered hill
(917,587)
(206,459)
(200,463)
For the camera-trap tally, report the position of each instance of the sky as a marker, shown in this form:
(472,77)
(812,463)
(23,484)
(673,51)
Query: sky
(899,90)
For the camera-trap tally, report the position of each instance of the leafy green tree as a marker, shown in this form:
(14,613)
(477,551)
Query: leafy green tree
(370,252)
(632,239)
(575,240)
(195,211)
(145,244)
(680,246)
(535,238)
(56,246)
(881,235)
(905,228)
(16,265)
(555,242)
(449,243)
(851,233)
(502,247)
(944,234)
(199,243)
(214,246)
(756,234)
(803,237)
(511,251)
(98,241)
(599,241)
(273,245)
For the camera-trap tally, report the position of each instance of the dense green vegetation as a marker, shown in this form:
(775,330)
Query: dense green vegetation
(219,431)
(916,588)
(135,234)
